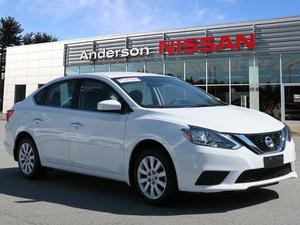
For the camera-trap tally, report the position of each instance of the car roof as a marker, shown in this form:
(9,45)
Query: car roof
(107,75)
(113,75)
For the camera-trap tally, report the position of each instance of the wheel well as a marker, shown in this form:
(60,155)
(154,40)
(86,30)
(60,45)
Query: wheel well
(139,148)
(20,137)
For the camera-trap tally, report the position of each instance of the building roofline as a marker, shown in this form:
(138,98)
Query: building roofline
(173,30)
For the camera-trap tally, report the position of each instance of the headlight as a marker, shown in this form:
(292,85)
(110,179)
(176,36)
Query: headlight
(206,137)
(287,133)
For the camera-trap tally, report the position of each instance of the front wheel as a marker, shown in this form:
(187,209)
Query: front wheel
(28,160)
(154,176)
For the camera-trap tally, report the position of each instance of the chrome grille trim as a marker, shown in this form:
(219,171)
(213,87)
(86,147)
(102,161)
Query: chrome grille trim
(247,142)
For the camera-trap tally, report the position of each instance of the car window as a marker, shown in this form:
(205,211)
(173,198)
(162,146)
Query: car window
(60,94)
(165,92)
(92,92)
(140,92)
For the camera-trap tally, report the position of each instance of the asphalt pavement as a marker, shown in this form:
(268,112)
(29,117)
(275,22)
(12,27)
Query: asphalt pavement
(65,198)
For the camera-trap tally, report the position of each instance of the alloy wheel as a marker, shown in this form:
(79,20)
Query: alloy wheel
(26,158)
(152,177)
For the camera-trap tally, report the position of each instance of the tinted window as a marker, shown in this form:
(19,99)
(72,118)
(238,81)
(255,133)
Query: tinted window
(57,95)
(92,92)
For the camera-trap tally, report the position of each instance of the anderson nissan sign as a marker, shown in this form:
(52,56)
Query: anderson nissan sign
(189,45)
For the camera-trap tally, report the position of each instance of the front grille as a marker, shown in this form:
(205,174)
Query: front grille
(259,141)
(264,174)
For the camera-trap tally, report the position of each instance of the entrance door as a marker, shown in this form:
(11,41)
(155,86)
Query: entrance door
(292,102)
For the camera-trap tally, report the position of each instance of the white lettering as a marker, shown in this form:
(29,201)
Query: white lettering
(110,54)
(146,49)
(125,52)
(84,56)
(103,53)
(134,52)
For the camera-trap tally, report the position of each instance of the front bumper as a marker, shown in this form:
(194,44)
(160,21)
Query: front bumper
(191,160)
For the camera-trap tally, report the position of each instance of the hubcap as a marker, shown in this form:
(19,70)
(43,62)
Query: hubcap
(152,177)
(26,158)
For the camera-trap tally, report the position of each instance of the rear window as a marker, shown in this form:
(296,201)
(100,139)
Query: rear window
(57,95)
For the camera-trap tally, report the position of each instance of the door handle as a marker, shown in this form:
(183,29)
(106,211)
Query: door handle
(37,120)
(76,125)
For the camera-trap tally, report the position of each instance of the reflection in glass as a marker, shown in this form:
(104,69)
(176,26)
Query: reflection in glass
(218,71)
(119,67)
(72,70)
(154,67)
(221,92)
(240,70)
(135,67)
(269,69)
(292,102)
(203,87)
(240,95)
(269,100)
(195,71)
(291,68)
(175,68)
(86,69)
(102,68)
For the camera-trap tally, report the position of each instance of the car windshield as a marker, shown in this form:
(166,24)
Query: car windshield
(165,92)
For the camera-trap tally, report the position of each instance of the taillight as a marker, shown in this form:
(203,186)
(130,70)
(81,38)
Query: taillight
(9,113)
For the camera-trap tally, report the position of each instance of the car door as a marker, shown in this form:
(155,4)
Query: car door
(96,137)
(49,122)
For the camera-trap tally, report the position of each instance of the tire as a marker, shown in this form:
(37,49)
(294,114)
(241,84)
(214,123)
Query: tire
(29,160)
(156,185)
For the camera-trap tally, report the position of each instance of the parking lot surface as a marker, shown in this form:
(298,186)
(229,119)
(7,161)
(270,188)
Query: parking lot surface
(65,198)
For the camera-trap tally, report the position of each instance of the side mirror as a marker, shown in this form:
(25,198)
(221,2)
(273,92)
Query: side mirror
(109,105)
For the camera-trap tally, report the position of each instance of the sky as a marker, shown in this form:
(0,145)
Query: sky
(71,19)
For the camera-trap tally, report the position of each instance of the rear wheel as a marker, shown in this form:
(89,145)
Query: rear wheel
(28,160)
(154,176)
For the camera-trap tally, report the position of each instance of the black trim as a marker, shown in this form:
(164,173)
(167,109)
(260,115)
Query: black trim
(212,177)
(264,173)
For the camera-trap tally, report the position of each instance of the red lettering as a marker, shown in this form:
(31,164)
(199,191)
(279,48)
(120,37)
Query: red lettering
(178,47)
(164,47)
(242,39)
(208,44)
(225,42)
(190,45)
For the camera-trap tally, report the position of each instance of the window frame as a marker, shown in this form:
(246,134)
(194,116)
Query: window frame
(125,108)
(45,89)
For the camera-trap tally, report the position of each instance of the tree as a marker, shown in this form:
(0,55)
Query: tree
(28,38)
(39,37)
(10,34)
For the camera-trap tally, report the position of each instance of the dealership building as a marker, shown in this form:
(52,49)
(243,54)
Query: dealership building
(254,64)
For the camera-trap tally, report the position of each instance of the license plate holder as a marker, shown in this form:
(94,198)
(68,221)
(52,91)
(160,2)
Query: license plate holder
(273,161)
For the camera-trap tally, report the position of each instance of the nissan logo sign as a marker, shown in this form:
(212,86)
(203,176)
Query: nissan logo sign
(269,142)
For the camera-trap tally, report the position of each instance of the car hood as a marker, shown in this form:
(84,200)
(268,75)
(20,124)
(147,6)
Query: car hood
(227,119)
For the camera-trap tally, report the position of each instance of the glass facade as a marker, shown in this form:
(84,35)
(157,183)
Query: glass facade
(175,68)
(136,67)
(102,68)
(291,68)
(252,81)
(118,67)
(218,71)
(195,71)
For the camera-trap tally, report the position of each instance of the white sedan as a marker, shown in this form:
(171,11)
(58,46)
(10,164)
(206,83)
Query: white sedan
(157,133)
